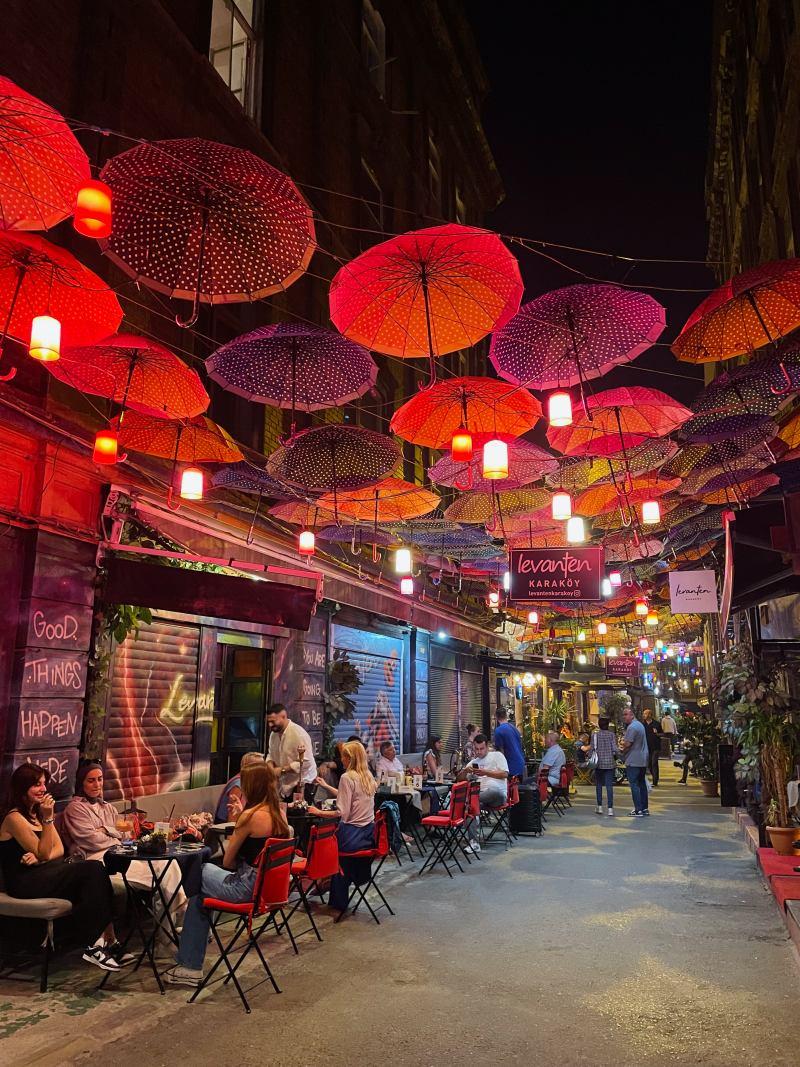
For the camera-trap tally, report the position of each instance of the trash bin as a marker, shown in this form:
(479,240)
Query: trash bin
(526,817)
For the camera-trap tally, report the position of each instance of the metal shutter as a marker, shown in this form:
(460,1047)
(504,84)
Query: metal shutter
(378,658)
(443,708)
(151,711)
(470,687)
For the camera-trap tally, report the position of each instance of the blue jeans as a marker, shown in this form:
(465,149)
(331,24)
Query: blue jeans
(351,838)
(234,886)
(638,787)
(604,777)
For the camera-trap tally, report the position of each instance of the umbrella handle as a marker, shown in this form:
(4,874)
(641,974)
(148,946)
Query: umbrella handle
(787,388)
(185,324)
(464,486)
(375,554)
(10,376)
(170,495)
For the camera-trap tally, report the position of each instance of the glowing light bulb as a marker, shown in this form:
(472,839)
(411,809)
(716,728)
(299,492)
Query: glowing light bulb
(576,530)
(105,447)
(644,643)
(602,628)
(402,561)
(581,635)
(45,339)
(605,587)
(651,513)
(561,506)
(507,581)
(461,446)
(494,599)
(306,543)
(616,579)
(641,607)
(495,460)
(652,619)
(93,210)
(407,586)
(582,658)
(559,409)
(533,618)
(192,484)
(612,652)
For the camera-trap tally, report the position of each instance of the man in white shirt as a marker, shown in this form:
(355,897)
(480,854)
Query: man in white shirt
(388,763)
(669,727)
(292,753)
(491,770)
(553,759)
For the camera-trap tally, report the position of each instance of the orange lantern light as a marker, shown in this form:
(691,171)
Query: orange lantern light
(602,628)
(192,484)
(561,506)
(644,644)
(306,542)
(641,607)
(461,446)
(45,339)
(559,409)
(407,586)
(93,210)
(533,618)
(651,513)
(495,460)
(106,443)
(652,619)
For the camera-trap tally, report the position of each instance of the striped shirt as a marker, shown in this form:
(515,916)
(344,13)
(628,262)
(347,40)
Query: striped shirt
(604,743)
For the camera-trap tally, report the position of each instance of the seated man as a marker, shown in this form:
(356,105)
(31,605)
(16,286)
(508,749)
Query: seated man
(491,769)
(388,763)
(232,801)
(553,760)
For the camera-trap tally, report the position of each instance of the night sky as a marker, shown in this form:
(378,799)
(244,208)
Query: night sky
(598,120)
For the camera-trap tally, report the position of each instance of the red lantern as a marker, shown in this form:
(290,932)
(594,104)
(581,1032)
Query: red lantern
(461,446)
(105,447)
(306,543)
(93,210)
(45,344)
(407,586)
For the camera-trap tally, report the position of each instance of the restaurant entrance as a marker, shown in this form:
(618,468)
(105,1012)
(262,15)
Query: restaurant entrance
(242,688)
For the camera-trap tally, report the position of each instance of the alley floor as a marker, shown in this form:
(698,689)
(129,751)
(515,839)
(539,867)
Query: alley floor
(605,942)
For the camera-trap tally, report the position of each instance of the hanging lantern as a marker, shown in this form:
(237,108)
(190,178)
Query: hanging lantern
(602,628)
(507,581)
(105,447)
(306,542)
(561,506)
(45,339)
(651,513)
(407,586)
(402,561)
(461,446)
(576,530)
(495,460)
(581,635)
(641,607)
(559,409)
(612,652)
(659,644)
(605,587)
(93,210)
(533,618)
(494,599)
(616,579)
(192,484)
(644,643)
(582,658)
(652,619)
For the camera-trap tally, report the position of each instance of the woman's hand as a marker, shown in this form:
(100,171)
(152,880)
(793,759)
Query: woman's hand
(235,808)
(47,807)
(28,859)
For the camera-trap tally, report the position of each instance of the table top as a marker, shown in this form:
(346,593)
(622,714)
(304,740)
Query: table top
(175,851)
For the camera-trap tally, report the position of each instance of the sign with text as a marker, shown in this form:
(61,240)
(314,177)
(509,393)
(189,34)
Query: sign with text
(53,624)
(564,574)
(49,722)
(693,592)
(60,763)
(622,667)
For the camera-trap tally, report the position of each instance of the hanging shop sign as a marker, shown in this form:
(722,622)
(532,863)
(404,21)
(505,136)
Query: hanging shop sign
(622,667)
(693,592)
(562,574)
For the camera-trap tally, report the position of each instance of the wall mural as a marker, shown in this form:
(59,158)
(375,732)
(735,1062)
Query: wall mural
(378,659)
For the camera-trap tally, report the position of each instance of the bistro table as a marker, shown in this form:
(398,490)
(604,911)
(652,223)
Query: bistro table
(190,860)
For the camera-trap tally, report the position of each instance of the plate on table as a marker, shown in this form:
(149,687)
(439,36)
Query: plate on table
(191,846)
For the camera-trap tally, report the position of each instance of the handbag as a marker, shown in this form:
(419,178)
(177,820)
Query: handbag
(592,759)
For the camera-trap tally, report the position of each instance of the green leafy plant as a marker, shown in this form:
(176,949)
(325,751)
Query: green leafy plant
(343,683)
(613,705)
(702,735)
(556,714)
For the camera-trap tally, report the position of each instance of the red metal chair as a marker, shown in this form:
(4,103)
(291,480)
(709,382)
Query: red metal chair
(379,853)
(552,796)
(270,897)
(445,828)
(498,817)
(321,861)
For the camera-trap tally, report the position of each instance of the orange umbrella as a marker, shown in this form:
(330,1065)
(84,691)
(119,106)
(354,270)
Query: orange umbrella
(306,515)
(599,499)
(739,493)
(481,405)
(197,440)
(388,501)
(619,419)
(789,433)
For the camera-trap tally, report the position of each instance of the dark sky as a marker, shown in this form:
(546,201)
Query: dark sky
(598,119)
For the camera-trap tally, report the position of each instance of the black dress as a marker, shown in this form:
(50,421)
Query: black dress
(84,883)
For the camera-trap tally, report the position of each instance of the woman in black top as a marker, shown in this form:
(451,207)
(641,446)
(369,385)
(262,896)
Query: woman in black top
(32,859)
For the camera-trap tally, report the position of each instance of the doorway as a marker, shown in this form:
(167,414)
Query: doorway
(243,685)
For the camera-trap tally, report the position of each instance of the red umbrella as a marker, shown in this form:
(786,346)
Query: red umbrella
(42,166)
(206,222)
(427,292)
(619,419)
(39,278)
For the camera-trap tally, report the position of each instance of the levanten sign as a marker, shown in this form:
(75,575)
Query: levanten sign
(693,592)
(622,667)
(555,574)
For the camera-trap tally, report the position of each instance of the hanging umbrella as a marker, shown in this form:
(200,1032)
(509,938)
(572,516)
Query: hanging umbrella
(711,475)
(581,472)
(39,278)
(289,365)
(753,309)
(484,507)
(627,551)
(441,535)
(357,536)
(206,222)
(607,497)
(619,419)
(390,501)
(136,373)
(245,478)
(527,463)
(427,292)
(308,515)
(789,432)
(741,492)
(334,458)
(42,166)
(708,520)
(482,405)
(570,335)
(197,440)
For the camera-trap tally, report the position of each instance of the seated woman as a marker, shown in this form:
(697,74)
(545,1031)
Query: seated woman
(32,859)
(261,819)
(90,830)
(432,757)
(332,770)
(232,801)
(583,749)
(356,806)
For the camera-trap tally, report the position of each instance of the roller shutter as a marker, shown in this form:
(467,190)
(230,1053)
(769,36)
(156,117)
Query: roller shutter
(378,658)
(443,707)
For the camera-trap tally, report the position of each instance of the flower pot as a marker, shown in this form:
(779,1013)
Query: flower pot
(782,838)
(709,786)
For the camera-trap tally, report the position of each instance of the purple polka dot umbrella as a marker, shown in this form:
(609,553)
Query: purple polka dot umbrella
(571,335)
(245,478)
(527,463)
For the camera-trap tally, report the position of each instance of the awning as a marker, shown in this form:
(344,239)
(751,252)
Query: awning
(197,592)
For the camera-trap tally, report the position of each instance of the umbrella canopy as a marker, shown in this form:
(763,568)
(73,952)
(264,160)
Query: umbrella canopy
(206,222)
(729,472)
(749,311)
(427,292)
(334,458)
(289,365)
(42,166)
(606,497)
(197,440)
(442,535)
(579,473)
(390,501)
(245,478)
(136,373)
(627,551)
(484,507)
(570,335)
(706,482)
(305,514)
(39,278)
(482,405)
(745,490)
(356,535)
(619,419)
(527,463)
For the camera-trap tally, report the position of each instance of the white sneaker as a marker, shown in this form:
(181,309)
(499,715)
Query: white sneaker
(473,846)
(610,812)
(598,810)
(178,975)
(97,955)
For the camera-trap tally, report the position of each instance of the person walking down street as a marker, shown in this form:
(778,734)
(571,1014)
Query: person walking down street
(604,743)
(669,728)
(508,740)
(634,748)
(653,733)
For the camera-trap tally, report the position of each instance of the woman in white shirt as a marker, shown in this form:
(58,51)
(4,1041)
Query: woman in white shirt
(355,805)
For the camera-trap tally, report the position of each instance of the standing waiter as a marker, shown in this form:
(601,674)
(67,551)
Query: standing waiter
(291,751)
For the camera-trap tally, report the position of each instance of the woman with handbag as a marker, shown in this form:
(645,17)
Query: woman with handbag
(604,750)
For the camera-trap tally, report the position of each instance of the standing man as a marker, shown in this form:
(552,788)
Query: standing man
(292,753)
(653,732)
(508,740)
(669,728)
(634,748)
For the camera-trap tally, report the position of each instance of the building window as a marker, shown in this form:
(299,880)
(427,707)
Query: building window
(373,46)
(434,173)
(234,48)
